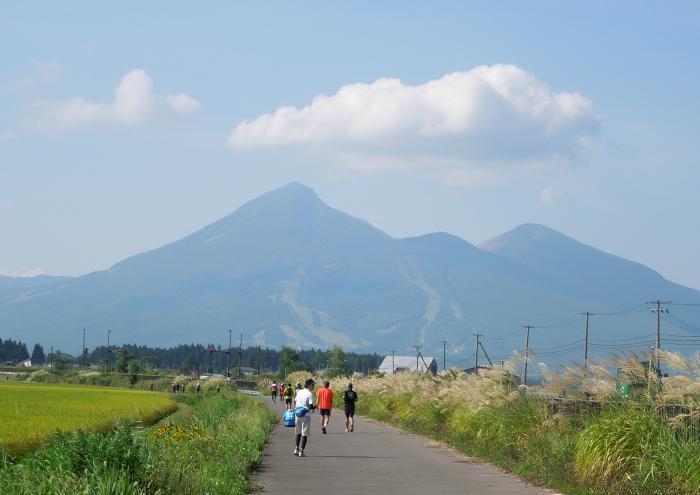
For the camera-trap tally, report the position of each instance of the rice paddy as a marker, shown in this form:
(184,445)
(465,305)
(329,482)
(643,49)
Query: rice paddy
(31,413)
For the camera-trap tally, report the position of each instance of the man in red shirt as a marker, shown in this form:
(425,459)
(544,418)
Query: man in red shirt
(324,398)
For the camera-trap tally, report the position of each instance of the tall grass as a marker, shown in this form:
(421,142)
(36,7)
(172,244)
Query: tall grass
(617,447)
(635,450)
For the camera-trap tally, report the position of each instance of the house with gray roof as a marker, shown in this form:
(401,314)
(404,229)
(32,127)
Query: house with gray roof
(398,364)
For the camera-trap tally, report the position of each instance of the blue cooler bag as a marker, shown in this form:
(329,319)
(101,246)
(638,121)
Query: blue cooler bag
(289,419)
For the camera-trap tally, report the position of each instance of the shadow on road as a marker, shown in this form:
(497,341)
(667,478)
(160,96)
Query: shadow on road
(356,456)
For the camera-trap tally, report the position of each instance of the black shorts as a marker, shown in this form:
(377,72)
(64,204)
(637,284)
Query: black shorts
(325,412)
(350,411)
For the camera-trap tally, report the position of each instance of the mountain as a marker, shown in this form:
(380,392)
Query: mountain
(287,268)
(581,269)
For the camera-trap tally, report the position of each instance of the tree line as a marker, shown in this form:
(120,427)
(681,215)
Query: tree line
(199,357)
(15,351)
(189,357)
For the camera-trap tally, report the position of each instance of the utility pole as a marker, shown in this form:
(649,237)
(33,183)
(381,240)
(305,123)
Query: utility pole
(418,348)
(108,351)
(240,356)
(476,354)
(585,346)
(658,310)
(485,354)
(393,366)
(228,358)
(527,350)
(83,351)
(444,355)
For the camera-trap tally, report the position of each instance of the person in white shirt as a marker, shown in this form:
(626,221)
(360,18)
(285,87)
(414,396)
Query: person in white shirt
(303,399)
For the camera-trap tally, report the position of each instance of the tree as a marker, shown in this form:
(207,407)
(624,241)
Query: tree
(123,358)
(289,361)
(62,361)
(188,364)
(134,370)
(38,356)
(11,350)
(336,362)
(317,359)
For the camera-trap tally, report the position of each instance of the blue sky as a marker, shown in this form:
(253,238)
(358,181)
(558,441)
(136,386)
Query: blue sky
(88,178)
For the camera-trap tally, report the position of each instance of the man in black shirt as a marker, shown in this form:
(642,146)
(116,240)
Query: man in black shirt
(349,397)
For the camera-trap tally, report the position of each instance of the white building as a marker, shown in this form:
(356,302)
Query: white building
(397,364)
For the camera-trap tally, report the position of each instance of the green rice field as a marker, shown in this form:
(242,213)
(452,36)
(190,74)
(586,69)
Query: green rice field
(30,413)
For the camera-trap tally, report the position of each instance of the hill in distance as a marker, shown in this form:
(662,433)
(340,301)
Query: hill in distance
(286,268)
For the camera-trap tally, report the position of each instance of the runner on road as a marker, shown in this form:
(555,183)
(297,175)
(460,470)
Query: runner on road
(273,391)
(304,401)
(349,397)
(324,397)
(298,387)
(288,395)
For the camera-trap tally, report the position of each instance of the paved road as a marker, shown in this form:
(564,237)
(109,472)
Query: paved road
(375,459)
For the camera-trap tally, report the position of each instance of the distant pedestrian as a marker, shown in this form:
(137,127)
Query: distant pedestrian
(197,387)
(273,391)
(288,395)
(324,398)
(304,402)
(173,388)
(218,388)
(151,387)
(349,397)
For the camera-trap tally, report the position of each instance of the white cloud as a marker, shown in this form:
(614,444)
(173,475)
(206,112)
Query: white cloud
(34,272)
(488,117)
(549,196)
(42,72)
(8,135)
(134,102)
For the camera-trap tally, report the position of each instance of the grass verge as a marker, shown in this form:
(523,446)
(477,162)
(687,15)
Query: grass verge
(629,448)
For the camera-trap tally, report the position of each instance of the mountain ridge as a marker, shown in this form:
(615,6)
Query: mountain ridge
(288,269)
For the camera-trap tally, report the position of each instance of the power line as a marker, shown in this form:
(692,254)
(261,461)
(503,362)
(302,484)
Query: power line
(678,322)
(622,340)
(637,308)
(575,343)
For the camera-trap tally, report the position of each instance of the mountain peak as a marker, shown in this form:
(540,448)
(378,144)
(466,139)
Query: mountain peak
(521,235)
(293,189)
